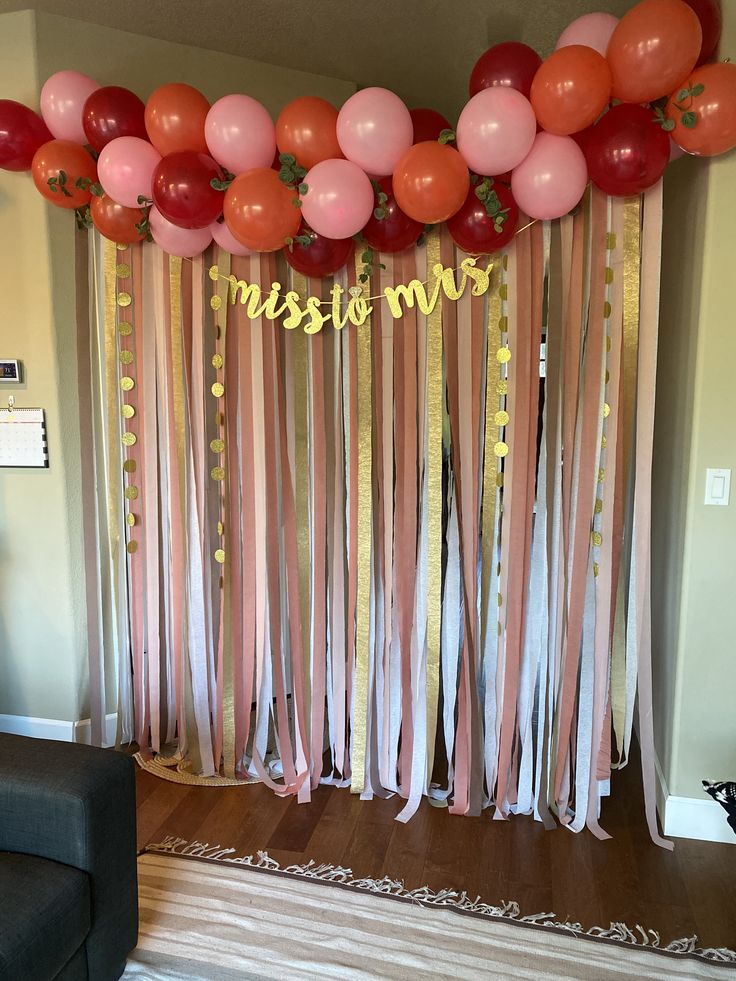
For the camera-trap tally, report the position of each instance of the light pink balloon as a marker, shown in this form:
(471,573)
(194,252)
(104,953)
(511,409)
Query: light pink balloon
(591,30)
(240,134)
(62,101)
(184,242)
(675,151)
(552,178)
(339,200)
(374,129)
(496,130)
(125,169)
(226,240)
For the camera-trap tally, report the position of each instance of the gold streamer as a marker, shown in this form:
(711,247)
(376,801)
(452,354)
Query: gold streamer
(114,512)
(632,259)
(494,419)
(179,400)
(298,341)
(435,417)
(365,534)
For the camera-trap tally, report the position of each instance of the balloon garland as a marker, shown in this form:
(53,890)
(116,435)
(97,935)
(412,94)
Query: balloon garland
(614,103)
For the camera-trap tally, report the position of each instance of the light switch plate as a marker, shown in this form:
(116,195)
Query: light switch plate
(717,487)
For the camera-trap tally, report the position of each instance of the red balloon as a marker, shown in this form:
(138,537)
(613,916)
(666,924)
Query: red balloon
(175,117)
(509,63)
(711,21)
(430,182)
(395,231)
(114,221)
(182,191)
(474,230)
(259,210)
(322,257)
(113,111)
(64,163)
(428,124)
(626,150)
(307,129)
(22,132)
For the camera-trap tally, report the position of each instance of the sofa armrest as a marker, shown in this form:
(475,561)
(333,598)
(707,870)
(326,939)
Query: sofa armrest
(76,805)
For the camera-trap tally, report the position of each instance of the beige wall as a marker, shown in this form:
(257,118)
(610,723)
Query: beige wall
(694,545)
(42,604)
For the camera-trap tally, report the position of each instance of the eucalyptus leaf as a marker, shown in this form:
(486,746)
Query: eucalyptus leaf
(143,201)
(446,136)
(303,188)
(363,277)
(689,119)
(697,89)
(682,95)
(296,202)
(668,125)
(287,158)
(379,214)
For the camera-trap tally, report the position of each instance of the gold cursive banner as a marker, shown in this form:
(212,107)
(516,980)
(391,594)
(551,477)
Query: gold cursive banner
(274,305)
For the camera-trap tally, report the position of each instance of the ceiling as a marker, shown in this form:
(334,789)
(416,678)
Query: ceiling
(422,49)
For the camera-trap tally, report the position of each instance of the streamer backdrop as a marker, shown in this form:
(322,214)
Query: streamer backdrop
(409,557)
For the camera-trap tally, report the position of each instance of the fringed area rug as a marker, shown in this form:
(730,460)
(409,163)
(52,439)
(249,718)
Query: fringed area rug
(225,918)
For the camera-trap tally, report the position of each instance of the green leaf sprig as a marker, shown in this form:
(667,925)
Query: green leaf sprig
(59,183)
(304,240)
(380,211)
(683,103)
(368,258)
(293,175)
(87,184)
(221,183)
(489,199)
(447,136)
(83,217)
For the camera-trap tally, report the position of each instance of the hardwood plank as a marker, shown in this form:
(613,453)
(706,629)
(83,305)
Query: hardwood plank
(575,876)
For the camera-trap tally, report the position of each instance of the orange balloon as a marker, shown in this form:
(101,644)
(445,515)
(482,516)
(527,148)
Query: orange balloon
(570,89)
(259,210)
(714,129)
(175,116)
(115,221)
(63,163)
(653,47)
(307,128)
(431,182)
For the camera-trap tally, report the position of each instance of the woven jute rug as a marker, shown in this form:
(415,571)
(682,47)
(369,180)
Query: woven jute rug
(208,914)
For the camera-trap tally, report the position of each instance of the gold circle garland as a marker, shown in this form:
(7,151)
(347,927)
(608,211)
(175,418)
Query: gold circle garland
(500,449)
(129,439)
(220,555)
(124,299)
(128,411)
(217,445)
(127,384)
(218,390)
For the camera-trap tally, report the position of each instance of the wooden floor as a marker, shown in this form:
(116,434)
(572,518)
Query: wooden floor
(692,890)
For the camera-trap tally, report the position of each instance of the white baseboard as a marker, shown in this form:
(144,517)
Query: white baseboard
(58,729)
(691,817)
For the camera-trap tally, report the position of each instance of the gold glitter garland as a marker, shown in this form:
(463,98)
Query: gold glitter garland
(126,359)
(596,538)
(217,445)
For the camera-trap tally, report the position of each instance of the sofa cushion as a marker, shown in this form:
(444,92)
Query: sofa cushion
(44,916)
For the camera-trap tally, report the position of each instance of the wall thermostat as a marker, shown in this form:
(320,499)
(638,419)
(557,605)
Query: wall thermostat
(9,370)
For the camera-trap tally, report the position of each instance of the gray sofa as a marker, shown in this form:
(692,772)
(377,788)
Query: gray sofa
(68,886)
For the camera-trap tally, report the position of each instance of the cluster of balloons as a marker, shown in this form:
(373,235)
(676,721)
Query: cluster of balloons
(614,102)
